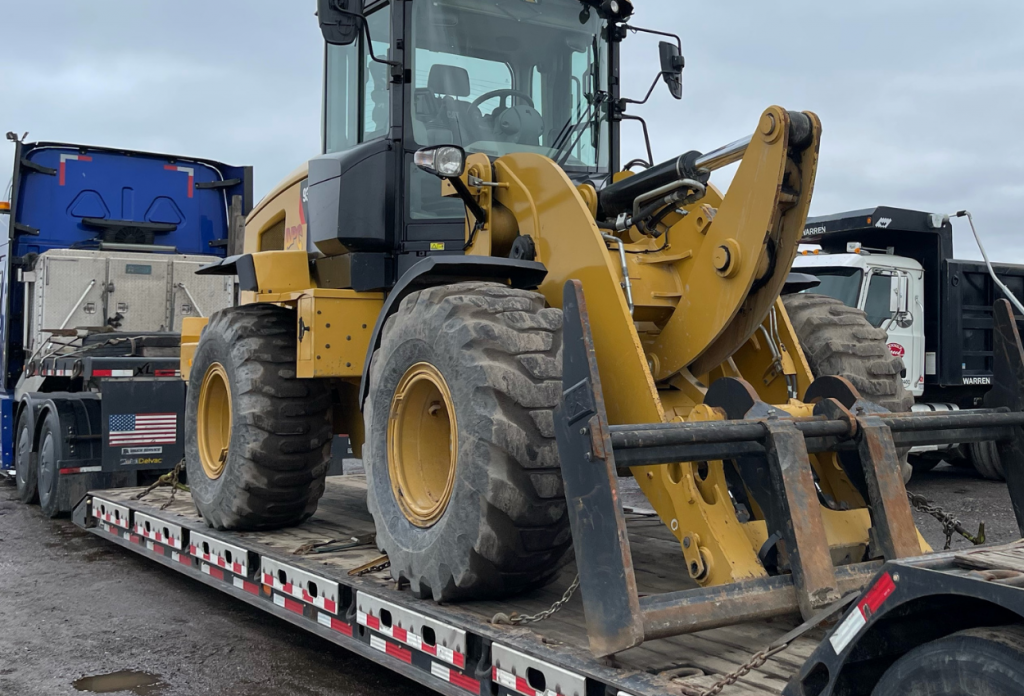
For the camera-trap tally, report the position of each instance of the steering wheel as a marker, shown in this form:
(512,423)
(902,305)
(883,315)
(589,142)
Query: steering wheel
(504,94)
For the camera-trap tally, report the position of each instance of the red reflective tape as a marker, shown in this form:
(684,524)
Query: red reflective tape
(396,651)
(170,167)
(187,560)
(160,550)
(399,633)
(341,627)
(63,166)
(190,182)
(159,537)
(459,660)
(874,598)
(523,687)
(464,682)
(102,373)
(192,549)
(221,562)
(74,470)
(373,622)
(330,606)
(306,596)
(268,579)
(84,158)
(114,530)
(250,587)
(135,538)
(216,572)
(292,605)
(236,568)
(287,587)
(163,373)
(430,649)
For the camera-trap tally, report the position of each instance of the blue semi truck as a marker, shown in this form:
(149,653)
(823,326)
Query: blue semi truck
(97,273)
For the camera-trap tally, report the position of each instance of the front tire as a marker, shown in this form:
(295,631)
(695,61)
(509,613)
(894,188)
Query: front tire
(975,662)
(463,478)
(257,439)
(986,461)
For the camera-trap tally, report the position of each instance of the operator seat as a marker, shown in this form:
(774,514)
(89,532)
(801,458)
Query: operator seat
(448,84)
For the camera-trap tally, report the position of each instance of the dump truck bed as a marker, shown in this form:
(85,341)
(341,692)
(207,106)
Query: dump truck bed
(317,593)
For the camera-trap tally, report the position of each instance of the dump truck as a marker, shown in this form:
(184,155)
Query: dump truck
(505,319)
(897,266)
(98,274)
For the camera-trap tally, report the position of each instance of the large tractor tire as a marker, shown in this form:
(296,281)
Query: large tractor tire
(461,462)
(978,661)
(257,439)
(840,341)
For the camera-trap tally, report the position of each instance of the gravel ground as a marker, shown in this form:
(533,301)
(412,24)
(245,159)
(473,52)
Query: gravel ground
(74,607)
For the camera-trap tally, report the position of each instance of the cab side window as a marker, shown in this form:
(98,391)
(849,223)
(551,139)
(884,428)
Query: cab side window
(357,97)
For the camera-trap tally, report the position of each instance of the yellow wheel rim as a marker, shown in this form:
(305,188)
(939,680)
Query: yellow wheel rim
(214,426)
(422,445)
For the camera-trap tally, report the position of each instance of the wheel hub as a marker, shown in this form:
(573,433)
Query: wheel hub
(214,426)
(422,445)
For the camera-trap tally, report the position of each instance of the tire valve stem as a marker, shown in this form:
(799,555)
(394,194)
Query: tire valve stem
(223,454)
(434,408)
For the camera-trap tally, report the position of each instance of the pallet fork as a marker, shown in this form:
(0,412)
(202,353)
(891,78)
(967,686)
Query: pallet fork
(769,450)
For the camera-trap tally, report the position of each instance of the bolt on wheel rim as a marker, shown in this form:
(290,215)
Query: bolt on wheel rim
(422,445)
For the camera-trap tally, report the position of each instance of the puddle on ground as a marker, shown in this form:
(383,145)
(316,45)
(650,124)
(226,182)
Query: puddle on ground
(138,683)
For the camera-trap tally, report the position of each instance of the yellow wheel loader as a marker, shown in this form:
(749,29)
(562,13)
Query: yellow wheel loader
(406,288)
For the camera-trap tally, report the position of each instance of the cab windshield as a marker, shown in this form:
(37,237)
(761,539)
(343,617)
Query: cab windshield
(504,77)
(842,284)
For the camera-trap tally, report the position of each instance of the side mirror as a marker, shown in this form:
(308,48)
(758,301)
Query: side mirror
(340,20)
(672,64)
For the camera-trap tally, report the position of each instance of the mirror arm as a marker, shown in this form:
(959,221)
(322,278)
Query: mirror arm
(369,42)
(643,101)
(679,42)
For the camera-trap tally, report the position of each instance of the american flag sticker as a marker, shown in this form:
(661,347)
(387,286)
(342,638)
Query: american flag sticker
(143,429)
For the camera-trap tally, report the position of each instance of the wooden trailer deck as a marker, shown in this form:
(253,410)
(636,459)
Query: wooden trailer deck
(684,665)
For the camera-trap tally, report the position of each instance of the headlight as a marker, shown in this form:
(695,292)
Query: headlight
(446,161)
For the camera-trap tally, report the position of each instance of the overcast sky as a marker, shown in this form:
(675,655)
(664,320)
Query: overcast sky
(922,101)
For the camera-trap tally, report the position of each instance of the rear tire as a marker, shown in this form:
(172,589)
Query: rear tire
(840,341)
(986,461)
(270,433)
(975,662)
(26,468)
(501,525)
(51,452)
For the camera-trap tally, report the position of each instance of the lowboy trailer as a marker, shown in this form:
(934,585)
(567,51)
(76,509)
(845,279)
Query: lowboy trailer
(963,609)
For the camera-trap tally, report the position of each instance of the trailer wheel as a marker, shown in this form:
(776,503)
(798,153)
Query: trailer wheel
(922,463)
(975,662)
(257,439)
(986,461)
(51,452)
(840,341)
(462,468)
(26,468)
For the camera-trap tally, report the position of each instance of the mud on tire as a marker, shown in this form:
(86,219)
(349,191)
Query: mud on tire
(281,432)
(505,528)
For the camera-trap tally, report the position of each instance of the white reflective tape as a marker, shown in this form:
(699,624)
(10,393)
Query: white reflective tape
(323,619)
(847,630)
(150,545)
(278,600)
(238,582)
(506,679)
(440,671)
(378,643)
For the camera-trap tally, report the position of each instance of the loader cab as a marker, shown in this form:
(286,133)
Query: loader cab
(493,76)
